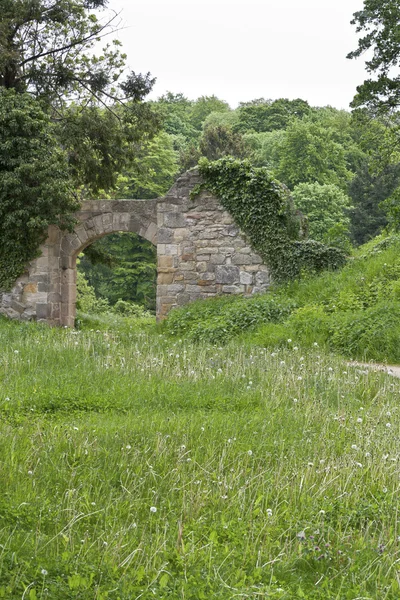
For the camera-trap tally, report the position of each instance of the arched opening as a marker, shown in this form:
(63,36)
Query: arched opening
(97,220)
(117,274)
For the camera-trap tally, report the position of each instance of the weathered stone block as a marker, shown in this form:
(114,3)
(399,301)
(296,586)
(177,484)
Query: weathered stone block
(174,219)
(41,310)
(180,234)
(17,306)
(190,265)
(165,261)
(242,259)
(31,288)
(165,278)
(171,249)
(165,236)
(227,274)
(232,289)
(246,278)
(262,277)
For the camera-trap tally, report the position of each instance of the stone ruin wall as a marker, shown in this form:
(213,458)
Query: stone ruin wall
(200,253)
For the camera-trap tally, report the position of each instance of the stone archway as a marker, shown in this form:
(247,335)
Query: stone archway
(200,253)
(96,219)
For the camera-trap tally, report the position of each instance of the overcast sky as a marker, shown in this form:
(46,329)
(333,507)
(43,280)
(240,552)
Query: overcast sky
(240,50)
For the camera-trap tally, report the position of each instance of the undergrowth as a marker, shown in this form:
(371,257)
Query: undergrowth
(355,311)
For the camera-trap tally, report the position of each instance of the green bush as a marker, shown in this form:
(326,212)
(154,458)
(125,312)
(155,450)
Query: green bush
(130,309)
(316,257)
(310,324)
(219,319)
(372,334)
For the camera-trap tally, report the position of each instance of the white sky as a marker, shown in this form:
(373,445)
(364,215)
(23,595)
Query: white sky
(240,50)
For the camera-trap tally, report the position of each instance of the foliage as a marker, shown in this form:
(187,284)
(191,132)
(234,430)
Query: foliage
(310,153)
(391,206)
(369,192)
(379,21)
(221,140)
(152,171)
(102,143)
(267,115)
(263,210)
(86,300)
(35,191)
(324,205)
(219,319)
(372,333)
(203,107)
(130,309)
(130,274)
(314,257)
(46,49)
(264,149)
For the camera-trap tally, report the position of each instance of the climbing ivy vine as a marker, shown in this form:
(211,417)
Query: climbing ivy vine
(35,189)
(264,211)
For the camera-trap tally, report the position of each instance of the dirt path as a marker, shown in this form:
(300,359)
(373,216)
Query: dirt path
(393,370)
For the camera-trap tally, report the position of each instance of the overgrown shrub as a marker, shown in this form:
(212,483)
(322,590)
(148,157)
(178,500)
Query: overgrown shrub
(373,334)
(130,309)
(218,320)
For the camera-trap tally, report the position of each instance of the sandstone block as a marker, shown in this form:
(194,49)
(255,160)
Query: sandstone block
(165,261)
(165,278)
(30,288)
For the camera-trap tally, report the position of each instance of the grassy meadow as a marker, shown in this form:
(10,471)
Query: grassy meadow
(136,465)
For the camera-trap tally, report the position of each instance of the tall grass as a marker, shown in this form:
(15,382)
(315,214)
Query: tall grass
(138,466)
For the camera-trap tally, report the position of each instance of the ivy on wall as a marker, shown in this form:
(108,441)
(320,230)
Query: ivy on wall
(263,209)
(35,189)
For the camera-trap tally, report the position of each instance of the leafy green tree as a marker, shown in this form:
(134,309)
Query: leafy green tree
(264,148)
(267,115)
(46,49)
(221,140)
(368,190)
(309,153)
(325,206)
(101,144)
(153,170)
(379,21)
(130,274)
(175,111)
(35,189)
(204,106)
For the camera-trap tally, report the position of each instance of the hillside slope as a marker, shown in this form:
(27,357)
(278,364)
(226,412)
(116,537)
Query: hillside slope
(354,311)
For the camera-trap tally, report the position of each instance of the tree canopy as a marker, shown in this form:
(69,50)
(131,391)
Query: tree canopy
(44,49)
(379,21)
